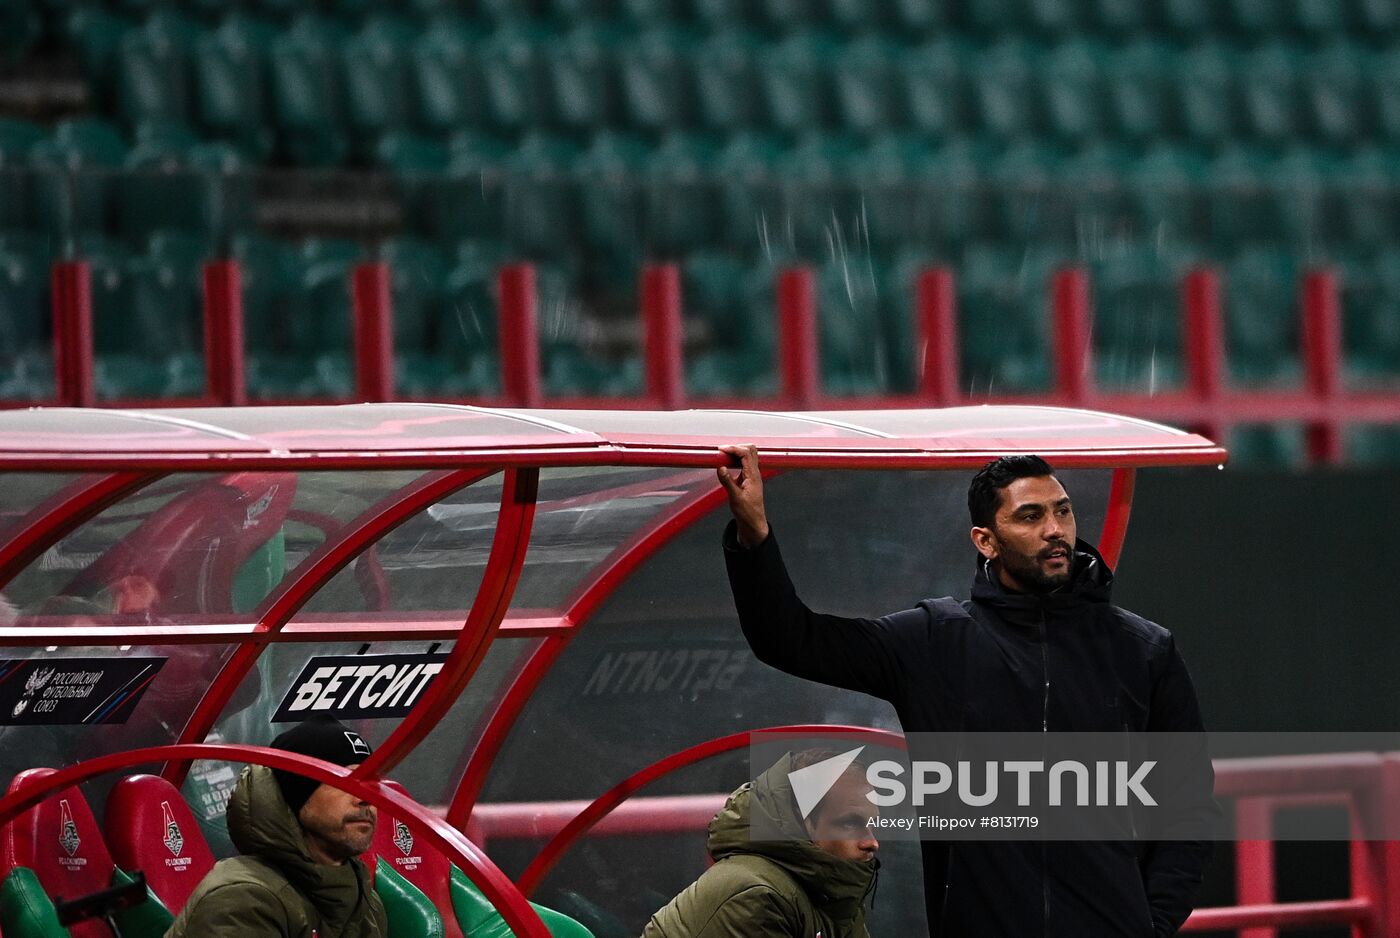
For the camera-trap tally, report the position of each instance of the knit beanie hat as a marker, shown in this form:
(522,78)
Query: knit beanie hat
(321,737)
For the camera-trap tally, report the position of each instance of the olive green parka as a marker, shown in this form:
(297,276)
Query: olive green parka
(771,888)
(273,889)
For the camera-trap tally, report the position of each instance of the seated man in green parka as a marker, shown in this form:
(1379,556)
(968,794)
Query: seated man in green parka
(812,880)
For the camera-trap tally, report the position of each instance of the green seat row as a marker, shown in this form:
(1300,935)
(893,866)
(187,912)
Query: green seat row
(311,92)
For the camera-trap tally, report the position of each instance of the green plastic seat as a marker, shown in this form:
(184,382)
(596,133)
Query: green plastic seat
(1371,445)
(726,74)
(611,191)
(751,192)
(1059,18)
(158,189)
(1075,91)
(514,66)
(823,204)
(1378,19)
(738,352)
(1003,306)
(936,87)
(153,69)
(583,78)
(1244,199)
(17,138)
(1271,93)
(541,200)
(411,914)
(655,12)
(868,85)
(450,86)
(1019,205)
(990,17)
(1208,95)
(418,272)
(1122,19)
(1261,317)
(921,17)
(1092,197)
(727,14)
(657,79)
(307,92)
(1385,89)
(1334,92)
(478,918)
(683,205)
(1325,20)
(231,80)
(1372,332)
(898,200)
(1306,201)
(95,35)
(1191,19)
(1254,18)
(1005,86)
(854,355)
(1266,446)
(1137,315)
(469,199)
(68,199)
(1167,193)
(1368,204)
(796,77)
(378,91)
(856,16)
(1138,91)
(26,911)
(24,316)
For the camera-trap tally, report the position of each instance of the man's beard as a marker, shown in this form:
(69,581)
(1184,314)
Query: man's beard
(1027,570)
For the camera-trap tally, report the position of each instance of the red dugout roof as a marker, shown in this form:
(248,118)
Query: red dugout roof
(443,435)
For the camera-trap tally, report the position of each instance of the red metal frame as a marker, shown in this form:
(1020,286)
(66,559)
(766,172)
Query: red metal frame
(223,333)
(552,851)
(374,332)
(607,577)
(799,370)
(498,582)
(518,334)
(279,607)
(1322,358)
(1071,336)
(61,514)
(1115,520)
(936,302)
(71,283)
(497,887)
(662,330)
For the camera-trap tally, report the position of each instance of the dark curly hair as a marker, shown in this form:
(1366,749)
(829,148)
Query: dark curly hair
(984,494)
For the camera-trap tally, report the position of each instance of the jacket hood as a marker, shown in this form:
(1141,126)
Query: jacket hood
(837,887)
(1090,582)
(262,825)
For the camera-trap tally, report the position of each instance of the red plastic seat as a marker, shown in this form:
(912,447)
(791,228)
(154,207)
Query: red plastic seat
(150,828)
(60,841)
(416,861)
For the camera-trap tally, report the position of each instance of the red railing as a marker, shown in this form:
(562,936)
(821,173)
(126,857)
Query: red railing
(1204,402)
(1367,784)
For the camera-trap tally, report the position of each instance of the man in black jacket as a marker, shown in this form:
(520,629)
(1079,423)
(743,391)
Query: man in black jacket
(1037,648)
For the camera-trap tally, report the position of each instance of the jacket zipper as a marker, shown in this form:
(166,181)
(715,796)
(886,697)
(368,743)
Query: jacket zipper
(1044,728)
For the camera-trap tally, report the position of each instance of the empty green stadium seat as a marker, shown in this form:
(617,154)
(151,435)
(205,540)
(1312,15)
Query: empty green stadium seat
(66,198)
(1261,316)
(751,193)
(17,138)
(683,208)
(1075,91)
(792,15)
(894,190)
(1252,18)
(583,78)
(1137,315)
(1059,18)
(1164,187)
(868,86)
(153,69)
(1122,18)
(859,15)
(541,199)
(1208,95)
(513,64)
(650,12)
(726,76)
(1005,85)
(231,79)
(1334,93)
(1017,207)
(611,190)
(1243,197)
(1271,93)
(418,271)
(1368,203)
(936,87)
(854,355)
(1002,311)
(1092,200)
(307,92)
(718,14)
(1385,89)
(95,34)
(1191,19)
(1266,446)
(448,77)
(796,77)
(1372,320)
(1371,445)
(378,92)
(1137,92)
(823,203)
(657,79)
(990,17)
(24,313)
(1377,18)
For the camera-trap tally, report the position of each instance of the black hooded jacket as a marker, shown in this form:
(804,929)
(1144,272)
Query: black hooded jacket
(1006,662)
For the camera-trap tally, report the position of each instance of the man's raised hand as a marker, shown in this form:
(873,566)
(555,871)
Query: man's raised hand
(745,494)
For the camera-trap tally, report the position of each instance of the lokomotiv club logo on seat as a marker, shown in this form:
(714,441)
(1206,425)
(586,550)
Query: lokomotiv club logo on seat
(68,835)
(174,840)
(403,837)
